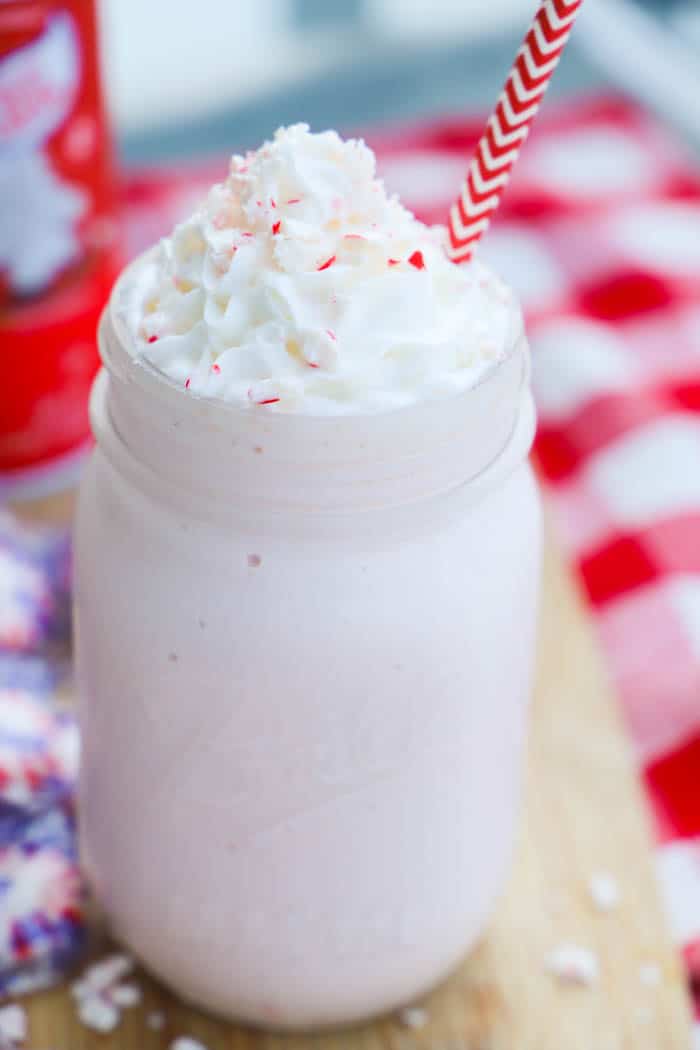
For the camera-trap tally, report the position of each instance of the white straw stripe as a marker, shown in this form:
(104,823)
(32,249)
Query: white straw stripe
(521,92)
(493,163)
(486,185)
(545,47)
(503,137)
(520,118)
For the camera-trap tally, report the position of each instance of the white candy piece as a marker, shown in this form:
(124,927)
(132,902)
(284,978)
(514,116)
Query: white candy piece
(413,1017)
(101,975)
(185,1042)
(604,891)
(13,1023)
(98,1014)
(156,1020)
(125,995)
(650,974)
(572,964)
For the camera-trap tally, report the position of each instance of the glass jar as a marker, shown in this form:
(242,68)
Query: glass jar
(304,654)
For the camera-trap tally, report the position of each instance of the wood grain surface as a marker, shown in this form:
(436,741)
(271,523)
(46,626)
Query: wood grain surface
(584,814)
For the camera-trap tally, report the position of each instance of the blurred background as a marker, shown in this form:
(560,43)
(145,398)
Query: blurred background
(211,75)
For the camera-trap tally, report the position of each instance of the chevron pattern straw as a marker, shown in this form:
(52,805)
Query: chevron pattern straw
(509,125)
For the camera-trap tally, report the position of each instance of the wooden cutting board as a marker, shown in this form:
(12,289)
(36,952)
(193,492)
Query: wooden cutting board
(584,814)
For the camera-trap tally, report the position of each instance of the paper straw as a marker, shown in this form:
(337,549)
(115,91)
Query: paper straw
(509,124)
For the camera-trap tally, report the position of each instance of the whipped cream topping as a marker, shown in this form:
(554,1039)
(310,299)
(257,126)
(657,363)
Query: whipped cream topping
(299,285)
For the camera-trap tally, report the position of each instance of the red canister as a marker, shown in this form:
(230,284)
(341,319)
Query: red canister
(58,254)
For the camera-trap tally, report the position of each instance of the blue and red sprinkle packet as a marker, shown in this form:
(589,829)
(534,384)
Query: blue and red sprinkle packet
(41,894)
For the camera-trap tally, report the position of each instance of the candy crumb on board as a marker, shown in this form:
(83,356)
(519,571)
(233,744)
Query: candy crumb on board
(125,995)
(100,996)
(650,974)
(13,1024)
(155,1020)
(572,964)
(97,1013)
(413,1017)
(604,891)
(100,976)
(184,1042)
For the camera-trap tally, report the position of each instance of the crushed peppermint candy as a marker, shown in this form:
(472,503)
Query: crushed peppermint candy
(100,993)
(572,964)
(650,974)
(101,975)
(185,1042)
(13,1024)
(99,1014)
(415,1017)
(155,1020)
(417,260)
(327,264)
(604,891)
(125,995)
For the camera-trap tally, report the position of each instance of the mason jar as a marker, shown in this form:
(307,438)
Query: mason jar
(304,656)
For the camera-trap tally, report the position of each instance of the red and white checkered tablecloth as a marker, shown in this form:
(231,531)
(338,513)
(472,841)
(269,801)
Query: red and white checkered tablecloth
(599,233)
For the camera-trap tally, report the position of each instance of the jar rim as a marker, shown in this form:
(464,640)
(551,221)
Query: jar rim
(213,448)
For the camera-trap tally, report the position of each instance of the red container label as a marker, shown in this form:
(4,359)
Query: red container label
(57,230)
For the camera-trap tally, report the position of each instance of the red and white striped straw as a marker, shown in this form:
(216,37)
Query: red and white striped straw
(509,125)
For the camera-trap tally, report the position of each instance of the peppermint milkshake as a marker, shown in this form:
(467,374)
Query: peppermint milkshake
(308,549)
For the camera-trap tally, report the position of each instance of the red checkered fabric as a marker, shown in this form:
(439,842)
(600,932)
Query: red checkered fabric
(600,235)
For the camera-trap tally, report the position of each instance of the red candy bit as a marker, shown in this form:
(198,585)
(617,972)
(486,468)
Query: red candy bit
(294,200)
(187,384)
(153,339)
(331,334)
(326,264)
(393,262)
(276,228)
(216,368)
(246,233)
(417,260)
(354,237)
(273,202)
(262,401)
(312,364)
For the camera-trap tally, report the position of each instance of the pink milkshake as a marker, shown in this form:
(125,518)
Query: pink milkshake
(308,556)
